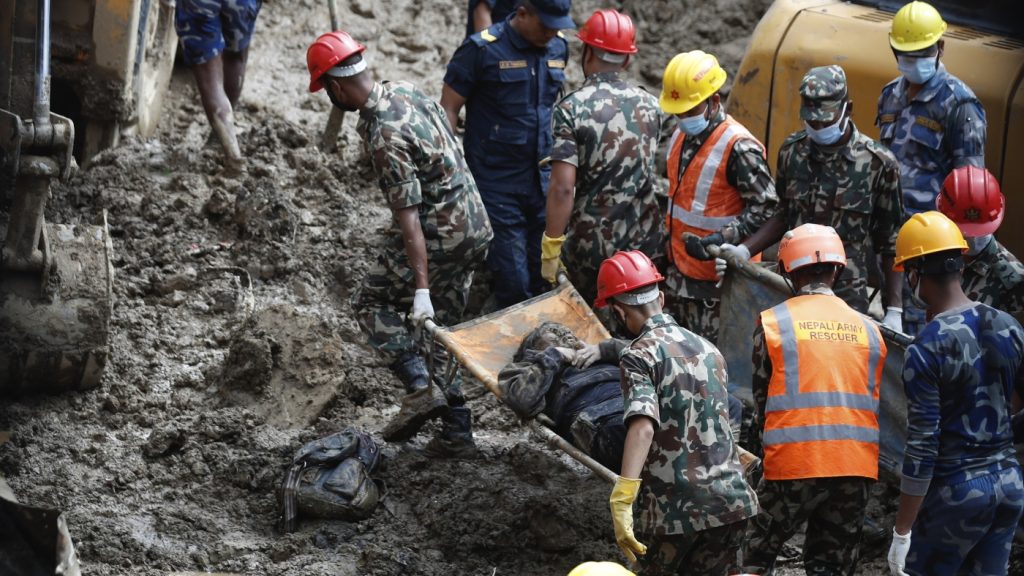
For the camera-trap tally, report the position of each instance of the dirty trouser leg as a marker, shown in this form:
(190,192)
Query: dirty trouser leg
(710,552)
(834,511)
(967,528)
(834,528)
(698,315)
(381,303)
(535,208)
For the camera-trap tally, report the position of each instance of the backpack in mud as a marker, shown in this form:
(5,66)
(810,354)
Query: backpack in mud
(330,478)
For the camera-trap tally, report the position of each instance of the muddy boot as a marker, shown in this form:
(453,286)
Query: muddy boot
(422,401)
(456,437)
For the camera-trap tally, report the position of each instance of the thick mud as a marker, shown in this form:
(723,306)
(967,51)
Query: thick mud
(233,341)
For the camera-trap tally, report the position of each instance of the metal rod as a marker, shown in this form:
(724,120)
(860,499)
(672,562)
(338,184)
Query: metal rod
(41,104)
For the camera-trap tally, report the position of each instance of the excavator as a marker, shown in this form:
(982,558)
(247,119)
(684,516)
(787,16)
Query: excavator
(75,76)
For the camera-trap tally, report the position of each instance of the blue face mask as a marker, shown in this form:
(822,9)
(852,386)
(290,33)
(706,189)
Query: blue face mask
(976,244)
(693,125)
(830,134)
(917,70)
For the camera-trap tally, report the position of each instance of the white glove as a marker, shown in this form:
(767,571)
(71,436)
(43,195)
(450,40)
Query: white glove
(894,318)
(741,252)
(421,306)
(586,356)
(898,553)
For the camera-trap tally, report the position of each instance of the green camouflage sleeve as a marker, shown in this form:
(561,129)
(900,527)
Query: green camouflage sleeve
(888,211)
(524,385)
(748,171)
(564,147)
(760,377)
(639,394)
(395,168)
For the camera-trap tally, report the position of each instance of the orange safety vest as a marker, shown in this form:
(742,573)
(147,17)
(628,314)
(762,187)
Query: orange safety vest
(821,418)
(702,200)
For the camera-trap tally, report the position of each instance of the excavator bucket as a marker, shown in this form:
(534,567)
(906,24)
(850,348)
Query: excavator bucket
(749,289)
(55,280)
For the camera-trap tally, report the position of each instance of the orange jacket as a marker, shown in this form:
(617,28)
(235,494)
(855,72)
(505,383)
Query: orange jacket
(701,199)
(821,418)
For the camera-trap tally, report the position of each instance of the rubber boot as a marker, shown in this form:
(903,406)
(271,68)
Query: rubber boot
(421,403)
(456,437)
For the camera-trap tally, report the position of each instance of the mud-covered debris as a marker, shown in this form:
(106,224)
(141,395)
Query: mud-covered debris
(165,439)
(250,362)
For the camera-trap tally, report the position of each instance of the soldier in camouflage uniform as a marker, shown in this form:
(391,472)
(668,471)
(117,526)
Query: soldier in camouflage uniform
(693,499)
(605,145)
(215,37)
(971,198)
(817,365)
(440,229)
(721,210)
(832,174)
(928,117)
(962,491)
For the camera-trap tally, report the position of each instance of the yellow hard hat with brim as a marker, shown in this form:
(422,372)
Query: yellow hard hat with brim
(926,233)
(915,27)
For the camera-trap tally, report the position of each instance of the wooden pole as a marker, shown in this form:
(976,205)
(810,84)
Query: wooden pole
(329,139)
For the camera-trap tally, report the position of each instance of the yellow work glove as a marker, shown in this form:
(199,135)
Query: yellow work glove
(550,257)
(621,501)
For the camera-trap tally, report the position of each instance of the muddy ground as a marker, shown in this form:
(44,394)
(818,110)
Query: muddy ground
(233,340)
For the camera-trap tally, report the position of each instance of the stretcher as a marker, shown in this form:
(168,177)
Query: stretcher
(750,288)
(486,344)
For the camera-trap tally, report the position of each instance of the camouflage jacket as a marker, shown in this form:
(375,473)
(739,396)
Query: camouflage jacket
(609,129)
(533,385)
(692,479)
(748,172)
(995,277)
(959,375)
(417,162)
(941,128)
(854,188)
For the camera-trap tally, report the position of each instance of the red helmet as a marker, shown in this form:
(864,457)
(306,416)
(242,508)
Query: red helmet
(623,272)
(611,31)
(811,244)
(324,54)
(971,198)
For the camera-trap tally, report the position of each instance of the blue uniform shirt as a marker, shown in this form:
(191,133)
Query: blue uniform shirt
(941,128)
(510,87)
(959,376)
(499,10)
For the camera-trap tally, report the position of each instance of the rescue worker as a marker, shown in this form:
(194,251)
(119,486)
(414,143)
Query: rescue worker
(439,231)
(720,188)
(605,146)
(961,493)
(971,198)
(816,381)
(481,14)
(215,37)
(574,384)
(680,459)
(830,173)
(508,77)
(929,118)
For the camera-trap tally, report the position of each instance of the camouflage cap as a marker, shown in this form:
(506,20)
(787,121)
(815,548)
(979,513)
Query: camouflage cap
(822,94)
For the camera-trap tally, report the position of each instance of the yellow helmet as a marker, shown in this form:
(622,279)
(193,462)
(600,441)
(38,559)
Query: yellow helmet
(689,79)
(600,569)
(916,26)
(926,233)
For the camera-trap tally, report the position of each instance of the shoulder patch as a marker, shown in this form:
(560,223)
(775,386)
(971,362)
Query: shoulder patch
(886,118)
(488,35)
(560,35)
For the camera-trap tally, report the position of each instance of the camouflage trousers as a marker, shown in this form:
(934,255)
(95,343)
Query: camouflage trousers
(832,508)
(711,552)
(698,315)
(967,528)
(384,299)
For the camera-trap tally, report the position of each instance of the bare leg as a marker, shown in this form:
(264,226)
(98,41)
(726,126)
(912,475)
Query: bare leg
(234,74)
(210,80)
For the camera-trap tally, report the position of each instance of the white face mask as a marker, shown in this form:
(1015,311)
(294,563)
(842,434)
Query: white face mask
(830,134)
(977,244)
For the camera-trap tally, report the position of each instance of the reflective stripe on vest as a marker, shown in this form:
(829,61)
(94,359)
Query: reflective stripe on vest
(701,199)
(828,426)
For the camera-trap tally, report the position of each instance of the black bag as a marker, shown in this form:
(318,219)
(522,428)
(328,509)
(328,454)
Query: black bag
(330,478)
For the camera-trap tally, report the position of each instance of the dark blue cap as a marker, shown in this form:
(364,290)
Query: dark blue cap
(554,14)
